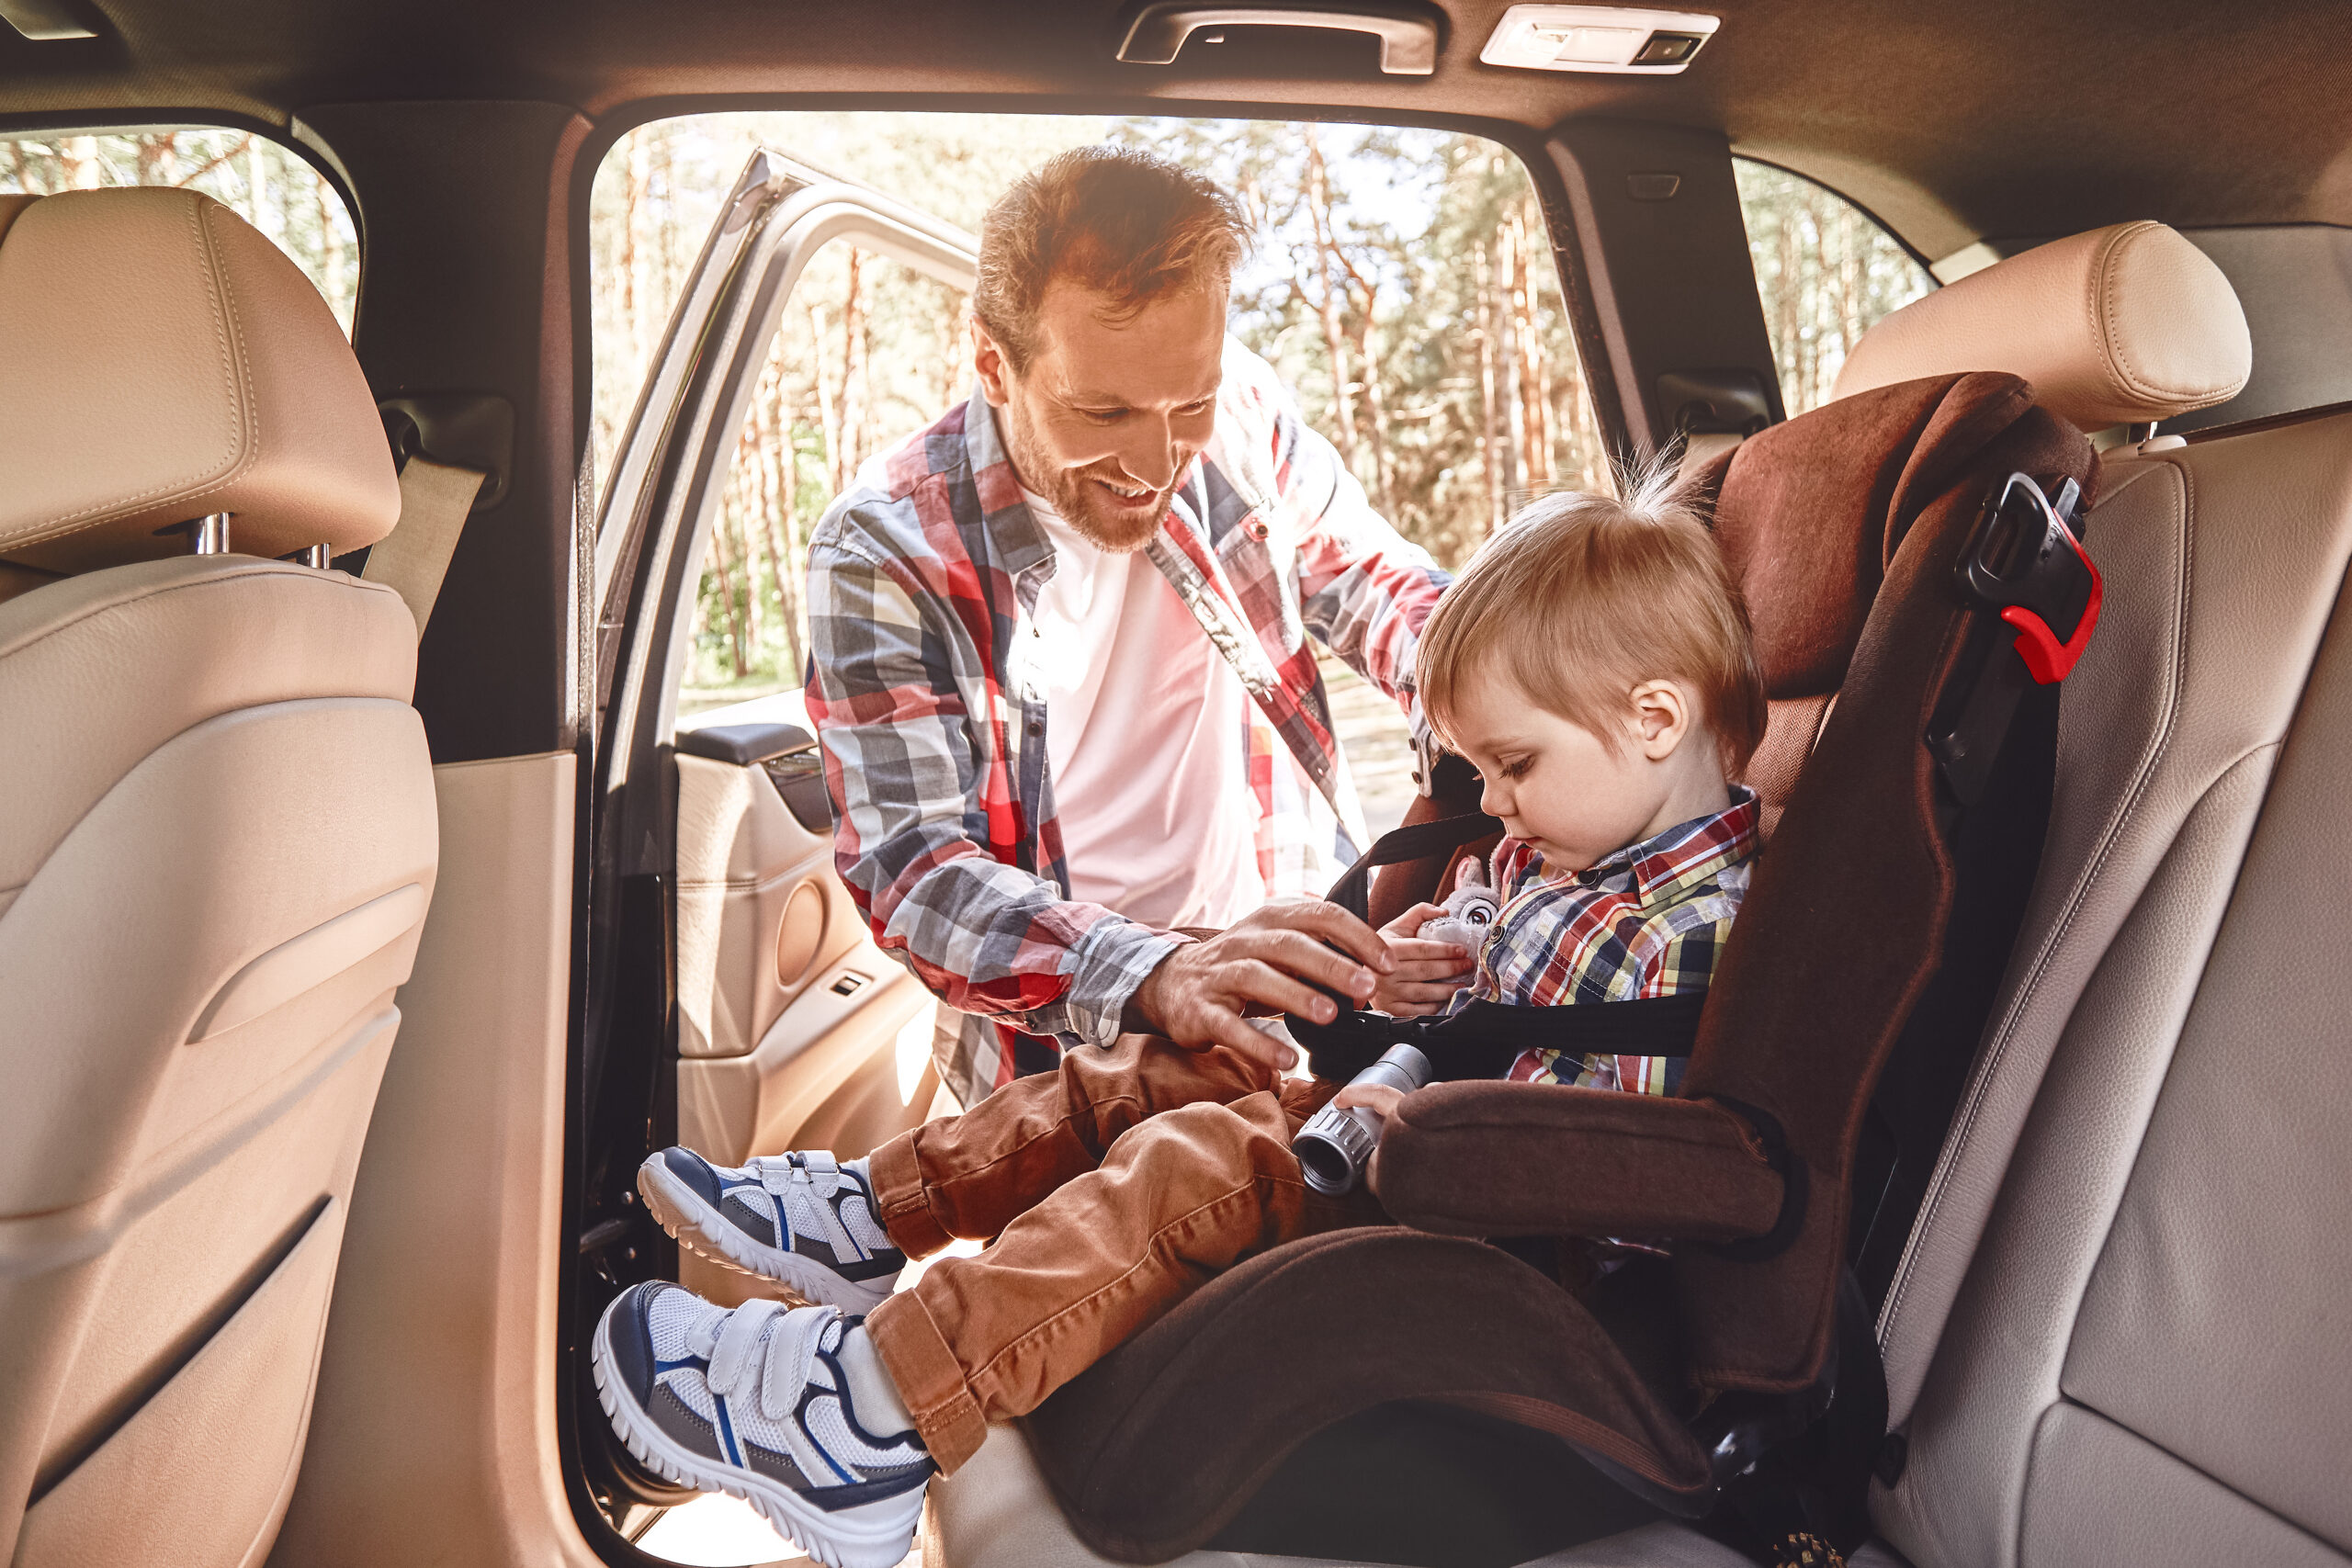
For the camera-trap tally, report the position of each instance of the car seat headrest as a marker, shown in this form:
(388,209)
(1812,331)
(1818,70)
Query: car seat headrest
(2122,325)
(1810,512)
(163,362)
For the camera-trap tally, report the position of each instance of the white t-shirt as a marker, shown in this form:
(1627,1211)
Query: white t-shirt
(1146,738)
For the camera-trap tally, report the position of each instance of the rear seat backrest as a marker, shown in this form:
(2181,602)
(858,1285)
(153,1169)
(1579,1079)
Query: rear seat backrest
(2119,1336)
(2117,1333)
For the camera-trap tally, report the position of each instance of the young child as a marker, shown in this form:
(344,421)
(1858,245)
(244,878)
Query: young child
(1594,662)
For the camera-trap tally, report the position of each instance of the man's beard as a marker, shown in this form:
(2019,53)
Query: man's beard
(1073,493)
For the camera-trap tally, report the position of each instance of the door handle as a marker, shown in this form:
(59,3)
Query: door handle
(1408,36)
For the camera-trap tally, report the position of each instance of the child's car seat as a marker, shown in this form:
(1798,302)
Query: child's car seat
(1161,1443)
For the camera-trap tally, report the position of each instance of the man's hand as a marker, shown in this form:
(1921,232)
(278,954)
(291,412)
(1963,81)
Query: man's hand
(1200,993)
(1382,1100)
(1427,972)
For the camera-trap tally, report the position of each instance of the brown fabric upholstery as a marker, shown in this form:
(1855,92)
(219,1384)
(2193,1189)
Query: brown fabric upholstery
(1147,1461)
(1809,525)
(1791,727)
(1482,1158)
(1843,923)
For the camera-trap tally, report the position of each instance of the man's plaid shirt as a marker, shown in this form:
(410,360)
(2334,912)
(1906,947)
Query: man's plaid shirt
(921,582)
(1647,921)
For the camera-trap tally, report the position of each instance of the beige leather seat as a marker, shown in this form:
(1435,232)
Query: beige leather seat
(2119,1334)
(216,845)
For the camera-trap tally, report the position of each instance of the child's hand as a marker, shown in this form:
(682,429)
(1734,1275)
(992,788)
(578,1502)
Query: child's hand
(1382,1100)
(1427,972)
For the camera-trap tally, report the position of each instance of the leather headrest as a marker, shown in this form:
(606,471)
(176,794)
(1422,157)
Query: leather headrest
(163,361)
(2122,325)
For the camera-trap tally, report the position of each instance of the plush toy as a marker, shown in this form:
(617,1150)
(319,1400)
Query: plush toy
(1470,909)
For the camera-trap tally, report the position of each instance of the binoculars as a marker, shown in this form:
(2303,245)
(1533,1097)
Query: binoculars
(1335,1144)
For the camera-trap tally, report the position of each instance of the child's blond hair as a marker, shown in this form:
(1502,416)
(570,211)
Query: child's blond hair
(1580,598)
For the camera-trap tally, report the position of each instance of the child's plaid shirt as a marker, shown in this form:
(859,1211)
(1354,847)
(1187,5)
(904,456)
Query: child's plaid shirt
(922,579)
(1647,921)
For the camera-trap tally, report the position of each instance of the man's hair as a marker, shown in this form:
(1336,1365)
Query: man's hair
(1130,226)
(1581,598)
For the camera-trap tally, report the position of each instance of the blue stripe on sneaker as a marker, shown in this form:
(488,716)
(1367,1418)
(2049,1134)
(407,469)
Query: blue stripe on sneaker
(727,1435)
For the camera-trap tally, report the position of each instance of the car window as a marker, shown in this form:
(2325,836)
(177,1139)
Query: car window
(1402,284)
(265,183)
(1827,272)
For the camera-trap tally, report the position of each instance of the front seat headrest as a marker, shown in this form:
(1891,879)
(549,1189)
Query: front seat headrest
(2123,325)
(164,361)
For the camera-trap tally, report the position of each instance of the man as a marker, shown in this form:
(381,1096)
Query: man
(1063,678)
(1072,725)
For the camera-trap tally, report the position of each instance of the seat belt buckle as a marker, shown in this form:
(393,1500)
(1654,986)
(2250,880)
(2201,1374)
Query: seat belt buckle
(2025,562)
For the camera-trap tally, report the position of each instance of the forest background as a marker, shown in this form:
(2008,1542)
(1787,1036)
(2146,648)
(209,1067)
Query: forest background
(1401,282)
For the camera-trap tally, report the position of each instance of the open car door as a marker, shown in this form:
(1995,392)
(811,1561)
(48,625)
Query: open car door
(736,1002)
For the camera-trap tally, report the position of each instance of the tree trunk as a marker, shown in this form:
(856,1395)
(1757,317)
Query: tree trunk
(1489,413)
(828,412)
(1318,209)
(1527,337)
(1792,290)
(771,422)
(721,565)
(1383,468)
(956,353)
(855,415)
(636,252)
(792,564)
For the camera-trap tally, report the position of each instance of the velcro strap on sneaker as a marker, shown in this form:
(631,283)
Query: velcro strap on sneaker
(736,1349)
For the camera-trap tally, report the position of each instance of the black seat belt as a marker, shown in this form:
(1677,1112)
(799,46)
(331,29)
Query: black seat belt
(1481,1039)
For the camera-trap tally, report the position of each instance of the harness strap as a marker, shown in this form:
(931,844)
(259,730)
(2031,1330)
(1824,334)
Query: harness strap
(1484,1038)
(1415,841)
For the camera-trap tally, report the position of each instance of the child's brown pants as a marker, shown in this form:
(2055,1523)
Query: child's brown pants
(1114,1187)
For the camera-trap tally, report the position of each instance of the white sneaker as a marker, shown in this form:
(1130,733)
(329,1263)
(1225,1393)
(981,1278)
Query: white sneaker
(753,1402)
(801,1220)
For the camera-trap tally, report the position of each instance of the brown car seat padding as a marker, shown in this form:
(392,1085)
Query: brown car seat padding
(1843,926)
(1454,1322)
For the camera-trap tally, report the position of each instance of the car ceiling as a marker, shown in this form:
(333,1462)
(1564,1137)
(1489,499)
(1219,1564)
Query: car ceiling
(1951,122)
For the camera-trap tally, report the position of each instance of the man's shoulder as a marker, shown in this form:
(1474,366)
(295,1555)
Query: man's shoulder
(905,501)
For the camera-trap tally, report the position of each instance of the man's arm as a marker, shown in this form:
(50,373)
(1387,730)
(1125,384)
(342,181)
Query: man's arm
(915,798)
(918,798)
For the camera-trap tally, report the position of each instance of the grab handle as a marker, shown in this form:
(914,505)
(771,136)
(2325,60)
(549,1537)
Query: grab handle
(1408,37)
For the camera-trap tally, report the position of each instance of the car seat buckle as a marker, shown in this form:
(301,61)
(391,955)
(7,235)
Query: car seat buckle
(2024,561)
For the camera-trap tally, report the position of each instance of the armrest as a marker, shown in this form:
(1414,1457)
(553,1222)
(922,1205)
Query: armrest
(744,744)
(1488,1158)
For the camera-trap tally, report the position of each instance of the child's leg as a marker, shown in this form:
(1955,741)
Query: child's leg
(839,1233)
(1187,1194)
(972,1175)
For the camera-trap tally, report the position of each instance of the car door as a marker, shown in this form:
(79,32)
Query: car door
(732,985)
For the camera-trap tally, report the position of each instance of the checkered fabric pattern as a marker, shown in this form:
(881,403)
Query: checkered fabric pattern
(1647,921)
(921,582)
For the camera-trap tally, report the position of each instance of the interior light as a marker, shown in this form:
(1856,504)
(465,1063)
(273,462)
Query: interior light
(1611,39)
